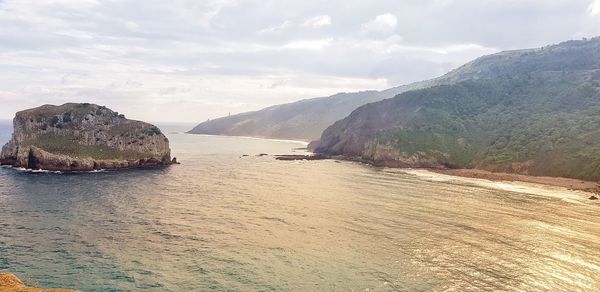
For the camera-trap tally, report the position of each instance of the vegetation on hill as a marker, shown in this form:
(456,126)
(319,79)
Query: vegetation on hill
(308,118)
(303,120)
(67,145)
(82,137)
(543,119)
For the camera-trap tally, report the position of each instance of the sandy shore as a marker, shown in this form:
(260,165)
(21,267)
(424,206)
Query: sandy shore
(568,183)
(562,182)
(516,186)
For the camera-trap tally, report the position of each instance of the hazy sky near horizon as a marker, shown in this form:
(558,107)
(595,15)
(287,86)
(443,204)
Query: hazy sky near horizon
(187,61)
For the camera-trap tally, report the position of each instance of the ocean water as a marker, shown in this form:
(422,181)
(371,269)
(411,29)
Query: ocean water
(223,221)
(5,131)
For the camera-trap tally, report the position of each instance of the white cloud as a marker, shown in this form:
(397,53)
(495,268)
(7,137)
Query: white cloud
(275,28)
(383,24)
(308,44)
(313,22)
(192,60)
(132,26)
(594,8)
(318,21)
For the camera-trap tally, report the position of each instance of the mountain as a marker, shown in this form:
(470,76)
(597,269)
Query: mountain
(82,137)
(306,119)
(302,120)
(533,112)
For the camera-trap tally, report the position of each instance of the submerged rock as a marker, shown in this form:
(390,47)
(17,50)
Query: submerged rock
(10,283)
(593,198)
(83,137)
(302,157)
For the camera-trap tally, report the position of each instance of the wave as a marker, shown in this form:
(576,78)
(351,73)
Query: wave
(28,170)
(562,193)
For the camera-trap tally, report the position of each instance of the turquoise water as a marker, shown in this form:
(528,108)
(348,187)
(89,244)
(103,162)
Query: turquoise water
(221,221)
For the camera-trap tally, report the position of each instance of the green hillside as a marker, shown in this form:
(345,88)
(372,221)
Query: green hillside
(539,114)
(306,119)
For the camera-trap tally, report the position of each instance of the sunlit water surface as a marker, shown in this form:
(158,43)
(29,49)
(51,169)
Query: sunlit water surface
(226,222)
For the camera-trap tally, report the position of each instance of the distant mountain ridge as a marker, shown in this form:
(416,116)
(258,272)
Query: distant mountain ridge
(306,119)
(533,112)
(303,120)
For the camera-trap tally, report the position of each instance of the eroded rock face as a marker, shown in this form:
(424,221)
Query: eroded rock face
(82,137)
(387,155)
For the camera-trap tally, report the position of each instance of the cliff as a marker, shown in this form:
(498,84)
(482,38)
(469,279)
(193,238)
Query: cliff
(82,137)
(10,283)
(532,112)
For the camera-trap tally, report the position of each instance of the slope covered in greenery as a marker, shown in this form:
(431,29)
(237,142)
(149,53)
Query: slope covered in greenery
(306,119)
(303,120)
(541,119)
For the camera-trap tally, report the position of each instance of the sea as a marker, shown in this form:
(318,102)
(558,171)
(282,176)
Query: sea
(227,219)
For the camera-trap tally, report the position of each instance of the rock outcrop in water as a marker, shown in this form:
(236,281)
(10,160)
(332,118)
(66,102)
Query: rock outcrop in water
(83,137)
(10,283)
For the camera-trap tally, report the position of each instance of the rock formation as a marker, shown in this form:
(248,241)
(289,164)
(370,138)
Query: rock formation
(10,283)
(83,137)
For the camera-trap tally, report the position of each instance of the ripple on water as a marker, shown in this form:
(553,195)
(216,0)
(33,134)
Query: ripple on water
(221,222)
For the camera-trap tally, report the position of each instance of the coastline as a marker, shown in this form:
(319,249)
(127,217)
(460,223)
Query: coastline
(589,188)
(516,186)
(563,182)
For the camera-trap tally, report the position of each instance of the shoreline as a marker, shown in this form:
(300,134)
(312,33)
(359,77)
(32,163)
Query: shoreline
(514,186)
(571,184)
(562,182)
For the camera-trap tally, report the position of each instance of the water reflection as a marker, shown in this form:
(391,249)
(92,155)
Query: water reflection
(222,221)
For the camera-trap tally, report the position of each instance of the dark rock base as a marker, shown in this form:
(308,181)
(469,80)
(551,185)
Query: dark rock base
(36,158)
(302,157)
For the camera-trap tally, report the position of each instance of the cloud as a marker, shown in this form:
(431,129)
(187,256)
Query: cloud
(275,28)
(184,60)
(594,8)
(383,24)
(318,21)
(308,44)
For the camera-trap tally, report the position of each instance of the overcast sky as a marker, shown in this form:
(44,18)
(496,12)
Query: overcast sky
(186,61)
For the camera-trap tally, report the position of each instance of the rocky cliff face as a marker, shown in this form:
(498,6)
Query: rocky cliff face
(82,137)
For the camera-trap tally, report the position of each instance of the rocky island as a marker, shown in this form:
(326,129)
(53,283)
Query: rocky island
(83,137)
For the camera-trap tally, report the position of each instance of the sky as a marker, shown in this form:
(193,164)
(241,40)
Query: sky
(188,61)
